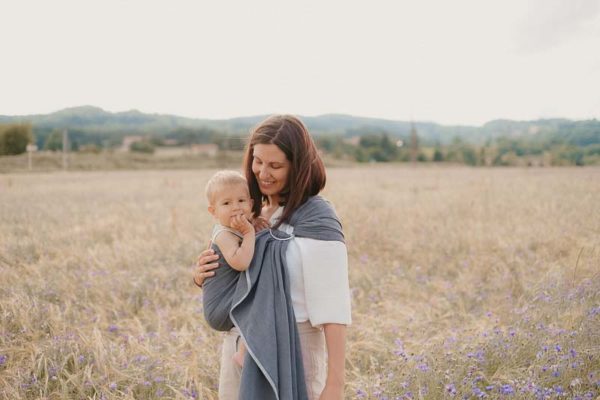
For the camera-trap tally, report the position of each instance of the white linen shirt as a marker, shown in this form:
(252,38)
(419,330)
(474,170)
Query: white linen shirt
(318,271)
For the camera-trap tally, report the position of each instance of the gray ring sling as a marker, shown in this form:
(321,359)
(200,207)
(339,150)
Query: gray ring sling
(257,301)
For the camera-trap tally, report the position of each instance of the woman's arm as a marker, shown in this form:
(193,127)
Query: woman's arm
(326,286)
(335,340)
(328,303)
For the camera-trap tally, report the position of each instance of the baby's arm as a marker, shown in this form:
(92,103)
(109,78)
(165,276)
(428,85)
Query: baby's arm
(238,255)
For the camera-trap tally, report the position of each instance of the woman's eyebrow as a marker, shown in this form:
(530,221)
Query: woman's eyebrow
(268,162)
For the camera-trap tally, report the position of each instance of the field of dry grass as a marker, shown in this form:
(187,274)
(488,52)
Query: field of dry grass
(466,283)
(176,158)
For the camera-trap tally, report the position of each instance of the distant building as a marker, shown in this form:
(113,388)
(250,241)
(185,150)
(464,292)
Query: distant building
(128,141)
(170,142)
(354,140)
(208,149)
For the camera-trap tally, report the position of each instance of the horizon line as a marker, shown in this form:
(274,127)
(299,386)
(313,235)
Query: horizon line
(411,120)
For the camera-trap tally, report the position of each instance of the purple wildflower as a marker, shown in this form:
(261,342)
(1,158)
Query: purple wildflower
(360,393)
(3,359)
(479,355)
(423,367)
(451,389)
(507,389)
(192,394)
(112,386)
(542,393)
(113,328)
(559,390)
(478,393)
(400,349)
(140,358)
(573,353)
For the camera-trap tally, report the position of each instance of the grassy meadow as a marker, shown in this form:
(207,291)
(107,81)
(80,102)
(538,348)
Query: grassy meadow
(466,283)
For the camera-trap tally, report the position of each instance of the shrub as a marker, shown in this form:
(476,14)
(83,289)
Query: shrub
(142,147)
(14,139)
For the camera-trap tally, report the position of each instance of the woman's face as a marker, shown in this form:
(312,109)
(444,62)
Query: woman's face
(271,169)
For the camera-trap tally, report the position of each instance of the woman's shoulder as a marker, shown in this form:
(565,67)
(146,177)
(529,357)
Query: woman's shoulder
(319,205)
(317,219)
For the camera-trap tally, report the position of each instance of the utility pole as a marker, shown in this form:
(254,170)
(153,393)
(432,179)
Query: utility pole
(65,160)
(30,149)
(414,143)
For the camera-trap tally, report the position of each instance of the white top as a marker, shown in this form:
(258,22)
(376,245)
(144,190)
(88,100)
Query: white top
(318,271)
(218,228)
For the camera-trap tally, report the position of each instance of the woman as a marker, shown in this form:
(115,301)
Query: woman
(284,170)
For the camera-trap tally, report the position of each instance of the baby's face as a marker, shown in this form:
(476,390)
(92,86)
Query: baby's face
(229,201)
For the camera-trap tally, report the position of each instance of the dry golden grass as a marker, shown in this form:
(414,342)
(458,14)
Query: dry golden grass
(465,282)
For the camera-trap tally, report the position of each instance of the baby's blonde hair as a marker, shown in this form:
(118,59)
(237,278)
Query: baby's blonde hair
(222,178)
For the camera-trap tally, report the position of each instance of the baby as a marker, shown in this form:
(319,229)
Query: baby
(233,236)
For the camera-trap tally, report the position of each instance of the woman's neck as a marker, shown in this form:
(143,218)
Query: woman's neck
(274,201)
(269,209)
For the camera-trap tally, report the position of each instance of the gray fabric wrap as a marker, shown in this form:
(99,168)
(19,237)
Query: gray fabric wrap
(260,306)
(218,292)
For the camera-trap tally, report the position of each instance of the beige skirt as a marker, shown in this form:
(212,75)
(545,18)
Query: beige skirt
(314,358)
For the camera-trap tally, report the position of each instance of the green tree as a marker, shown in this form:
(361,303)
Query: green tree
(469,155)
(14,139)
(54,141)
(376,147)
(142,147)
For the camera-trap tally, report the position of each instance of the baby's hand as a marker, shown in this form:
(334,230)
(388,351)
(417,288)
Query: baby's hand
(260,223)
(241,224)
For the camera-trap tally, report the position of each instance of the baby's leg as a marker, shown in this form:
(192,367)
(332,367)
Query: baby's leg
(239,355)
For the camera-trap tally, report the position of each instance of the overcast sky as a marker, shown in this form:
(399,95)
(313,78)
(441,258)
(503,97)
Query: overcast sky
(452,62)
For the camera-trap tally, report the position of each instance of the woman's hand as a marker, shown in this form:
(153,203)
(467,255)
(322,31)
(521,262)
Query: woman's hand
(205,265)
(332,392)
(260,223)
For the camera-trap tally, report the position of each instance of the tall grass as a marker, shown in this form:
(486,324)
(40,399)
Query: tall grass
(466,283)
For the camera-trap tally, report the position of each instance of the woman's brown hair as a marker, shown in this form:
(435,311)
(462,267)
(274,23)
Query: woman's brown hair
(307,173)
